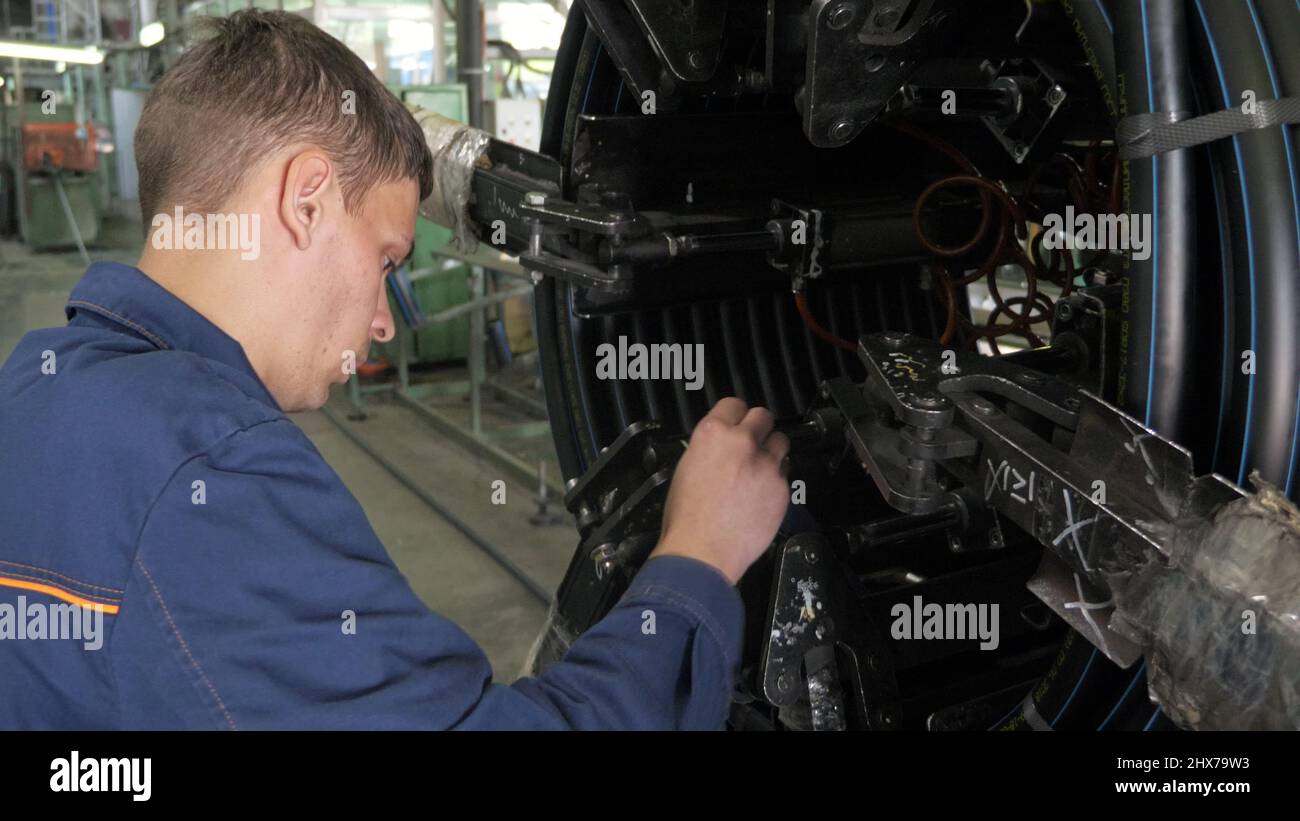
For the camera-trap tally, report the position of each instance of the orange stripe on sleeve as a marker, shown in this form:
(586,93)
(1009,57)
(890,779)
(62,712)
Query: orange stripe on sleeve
(64,595)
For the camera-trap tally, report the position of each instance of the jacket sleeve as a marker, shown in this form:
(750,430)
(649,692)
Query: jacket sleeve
(261,598)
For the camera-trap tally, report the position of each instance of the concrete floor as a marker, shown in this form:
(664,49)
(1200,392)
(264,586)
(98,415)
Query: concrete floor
(452,575)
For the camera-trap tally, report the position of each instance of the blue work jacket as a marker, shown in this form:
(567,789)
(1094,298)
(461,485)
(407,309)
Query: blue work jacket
(149,480)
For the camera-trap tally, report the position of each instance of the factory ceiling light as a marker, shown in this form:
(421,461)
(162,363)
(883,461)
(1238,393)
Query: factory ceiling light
(152,34)
(87,55)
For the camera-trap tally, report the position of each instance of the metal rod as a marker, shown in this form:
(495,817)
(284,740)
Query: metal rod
(405,339)
(354,395)
(484,544)
(469,56)
(516,467)
(514,397)
(477,363)
(480,302)
(67,212)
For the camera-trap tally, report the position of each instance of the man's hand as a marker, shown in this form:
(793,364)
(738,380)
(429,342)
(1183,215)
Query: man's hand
(729,493)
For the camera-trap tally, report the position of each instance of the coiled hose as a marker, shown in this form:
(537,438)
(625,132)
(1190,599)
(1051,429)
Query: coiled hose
(1221,282)
(1222,279)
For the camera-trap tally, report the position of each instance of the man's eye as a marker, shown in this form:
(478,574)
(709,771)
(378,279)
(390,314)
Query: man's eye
(388,265)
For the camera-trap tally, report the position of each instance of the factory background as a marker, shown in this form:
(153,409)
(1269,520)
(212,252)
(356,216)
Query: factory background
(442,434)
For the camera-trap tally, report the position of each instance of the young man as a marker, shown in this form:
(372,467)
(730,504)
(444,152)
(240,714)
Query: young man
(149,476)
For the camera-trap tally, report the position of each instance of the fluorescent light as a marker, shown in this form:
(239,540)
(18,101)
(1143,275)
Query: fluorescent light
(68,54)
(152,34)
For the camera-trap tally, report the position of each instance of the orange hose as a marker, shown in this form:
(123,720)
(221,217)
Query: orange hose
(801,302)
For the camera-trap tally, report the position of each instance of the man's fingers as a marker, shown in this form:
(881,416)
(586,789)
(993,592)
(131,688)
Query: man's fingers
(758,423)
(778,444)
(730,410)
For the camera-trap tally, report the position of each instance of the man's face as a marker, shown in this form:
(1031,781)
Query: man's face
(342,302)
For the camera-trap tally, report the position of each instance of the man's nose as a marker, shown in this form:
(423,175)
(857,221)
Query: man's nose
(381,327)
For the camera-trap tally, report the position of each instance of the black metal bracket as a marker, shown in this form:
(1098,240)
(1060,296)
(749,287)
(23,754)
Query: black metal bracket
(687,37)
(497,192)
(618,506)
(1035,92)
(1098,489)
(821,647)
(860,54)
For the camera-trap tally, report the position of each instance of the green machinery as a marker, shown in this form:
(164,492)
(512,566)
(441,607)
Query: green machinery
(438,282)
(450,288)
(41,211)
(53,174)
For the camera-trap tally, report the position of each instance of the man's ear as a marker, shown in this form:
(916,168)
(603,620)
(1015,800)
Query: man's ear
(308,182)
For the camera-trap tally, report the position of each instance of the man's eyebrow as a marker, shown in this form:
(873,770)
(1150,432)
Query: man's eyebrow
(410,248)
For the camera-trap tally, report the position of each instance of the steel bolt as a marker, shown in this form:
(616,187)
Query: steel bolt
(1055,95)
(535,198)
(603,556)
(841,131)
(840,16)
(893,339)
(983,407)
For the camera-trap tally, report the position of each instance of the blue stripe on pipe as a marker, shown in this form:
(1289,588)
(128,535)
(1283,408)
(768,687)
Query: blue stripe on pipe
(1295,203)
(1152,722)
(1155,227)
(1140,670)
(1225,259)
(1250,237)
(1101,7)
(1077,685)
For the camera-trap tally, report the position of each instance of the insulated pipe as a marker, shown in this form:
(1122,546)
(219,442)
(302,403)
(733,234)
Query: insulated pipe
(1095,29)
(1158,355)
(457,150)
(1241,64)
(1278,22)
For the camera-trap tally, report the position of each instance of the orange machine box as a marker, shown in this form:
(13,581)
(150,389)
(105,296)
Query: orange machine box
(69,146)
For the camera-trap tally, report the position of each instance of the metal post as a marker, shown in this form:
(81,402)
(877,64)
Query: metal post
(67,213)
(358,401)
(171,19)
(405,336)
(439,19)
(477,365)
(20,166)
(469,56)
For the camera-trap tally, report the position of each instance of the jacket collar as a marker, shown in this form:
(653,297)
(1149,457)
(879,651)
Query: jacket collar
(126,296)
